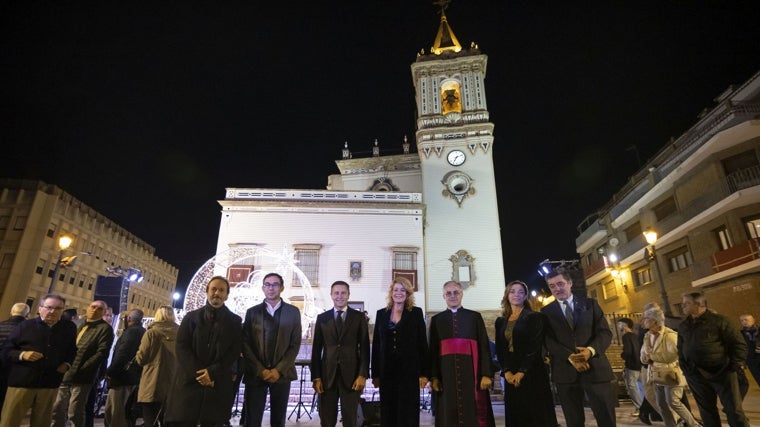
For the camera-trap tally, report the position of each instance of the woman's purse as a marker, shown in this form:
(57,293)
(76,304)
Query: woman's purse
(664,375)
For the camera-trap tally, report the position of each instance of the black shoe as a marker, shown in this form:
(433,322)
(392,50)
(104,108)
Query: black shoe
(644,417)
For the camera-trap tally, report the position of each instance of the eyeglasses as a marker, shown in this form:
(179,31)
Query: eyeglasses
(452,293)
(271,285)
(48,308)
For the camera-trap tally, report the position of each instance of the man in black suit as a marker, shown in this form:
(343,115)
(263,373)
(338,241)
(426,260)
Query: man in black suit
(339,358)
(577,337)
(271,340)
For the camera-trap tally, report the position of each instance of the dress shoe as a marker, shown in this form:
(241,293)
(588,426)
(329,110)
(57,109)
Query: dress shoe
(644,417)
(635,413)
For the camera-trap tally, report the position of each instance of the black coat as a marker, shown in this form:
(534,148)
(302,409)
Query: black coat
(57,343)
(123,355)
(409,336)
(205,343)
(532,403)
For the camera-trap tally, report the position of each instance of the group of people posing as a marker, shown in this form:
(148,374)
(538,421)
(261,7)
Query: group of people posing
(188,375)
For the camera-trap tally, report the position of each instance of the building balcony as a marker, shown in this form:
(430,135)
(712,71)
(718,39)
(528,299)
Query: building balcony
(591,231)
(734,261)
(595,267)
(736,255)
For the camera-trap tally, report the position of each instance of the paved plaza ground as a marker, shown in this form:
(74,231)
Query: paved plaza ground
(304,416)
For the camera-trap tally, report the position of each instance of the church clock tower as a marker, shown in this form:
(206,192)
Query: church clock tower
(455,143)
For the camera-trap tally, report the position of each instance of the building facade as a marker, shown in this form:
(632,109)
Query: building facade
(701,195)
(430,216)
(33,215)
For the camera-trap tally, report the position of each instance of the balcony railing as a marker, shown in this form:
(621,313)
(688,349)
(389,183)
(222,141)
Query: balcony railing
(724,115)
(595,267)
(744,178)
(736,255)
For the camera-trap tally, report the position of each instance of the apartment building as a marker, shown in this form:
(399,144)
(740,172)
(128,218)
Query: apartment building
(34,215)
(700,195)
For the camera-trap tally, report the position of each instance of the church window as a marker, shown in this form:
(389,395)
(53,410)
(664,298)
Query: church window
(405,264)
(307,260)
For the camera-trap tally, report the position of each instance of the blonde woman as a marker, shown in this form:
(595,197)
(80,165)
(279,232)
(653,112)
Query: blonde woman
(156,356)
(660,351)
(400,362)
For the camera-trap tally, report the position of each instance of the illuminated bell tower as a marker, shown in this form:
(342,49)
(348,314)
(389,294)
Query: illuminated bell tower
(455,143)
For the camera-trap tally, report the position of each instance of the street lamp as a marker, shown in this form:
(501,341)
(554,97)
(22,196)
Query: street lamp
(64,242)
(650,253)
(176,296)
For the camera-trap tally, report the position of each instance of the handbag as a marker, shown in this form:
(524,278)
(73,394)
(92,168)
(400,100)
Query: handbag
(664,376)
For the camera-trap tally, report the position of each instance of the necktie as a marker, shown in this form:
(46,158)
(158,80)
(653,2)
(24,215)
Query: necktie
(339,321)
(568,314)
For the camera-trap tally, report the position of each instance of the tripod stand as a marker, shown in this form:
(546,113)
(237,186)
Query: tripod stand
(300,405)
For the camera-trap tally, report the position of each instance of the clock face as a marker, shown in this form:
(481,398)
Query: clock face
(456,157)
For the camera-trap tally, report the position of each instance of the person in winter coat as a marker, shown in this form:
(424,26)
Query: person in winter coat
(156,356)
(209,341)
(124,375)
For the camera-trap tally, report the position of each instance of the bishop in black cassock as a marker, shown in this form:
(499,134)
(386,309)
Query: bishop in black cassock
(461,364)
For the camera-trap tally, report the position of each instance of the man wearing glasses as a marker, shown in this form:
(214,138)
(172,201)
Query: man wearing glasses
(37,353)
(271,340)
(461,363)
(93,340)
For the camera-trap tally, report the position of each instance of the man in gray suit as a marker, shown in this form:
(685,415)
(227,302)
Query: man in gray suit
(339,358)
(271,340)
(577,337)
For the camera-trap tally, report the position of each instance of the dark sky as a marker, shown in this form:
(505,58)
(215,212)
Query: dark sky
(146,111)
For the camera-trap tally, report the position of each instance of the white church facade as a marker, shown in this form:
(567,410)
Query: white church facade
(430,216)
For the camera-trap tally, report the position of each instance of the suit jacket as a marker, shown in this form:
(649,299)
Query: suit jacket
(591,330)
(411,342)
(286,348)
(350,348)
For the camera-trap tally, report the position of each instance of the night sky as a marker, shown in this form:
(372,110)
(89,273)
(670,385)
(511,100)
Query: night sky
(147,111)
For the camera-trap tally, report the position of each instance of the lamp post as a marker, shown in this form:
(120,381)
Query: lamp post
(64,242)
(651,237)
(128,275)
(175,296)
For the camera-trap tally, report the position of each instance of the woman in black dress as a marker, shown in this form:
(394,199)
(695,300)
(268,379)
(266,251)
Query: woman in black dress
(400,363)
(519,348)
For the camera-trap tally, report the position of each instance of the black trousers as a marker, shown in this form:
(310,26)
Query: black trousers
(328,405)
(600,397)
(725,387)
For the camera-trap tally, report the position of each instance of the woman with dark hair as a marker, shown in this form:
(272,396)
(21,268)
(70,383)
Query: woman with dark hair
(400,362)
(519,348)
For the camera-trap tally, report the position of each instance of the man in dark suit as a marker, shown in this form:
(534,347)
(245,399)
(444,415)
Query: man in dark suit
(208,345)
(339,358)
(577,337)
(271,340)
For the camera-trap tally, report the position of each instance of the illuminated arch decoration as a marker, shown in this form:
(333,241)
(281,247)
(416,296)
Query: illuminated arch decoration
(248,293)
